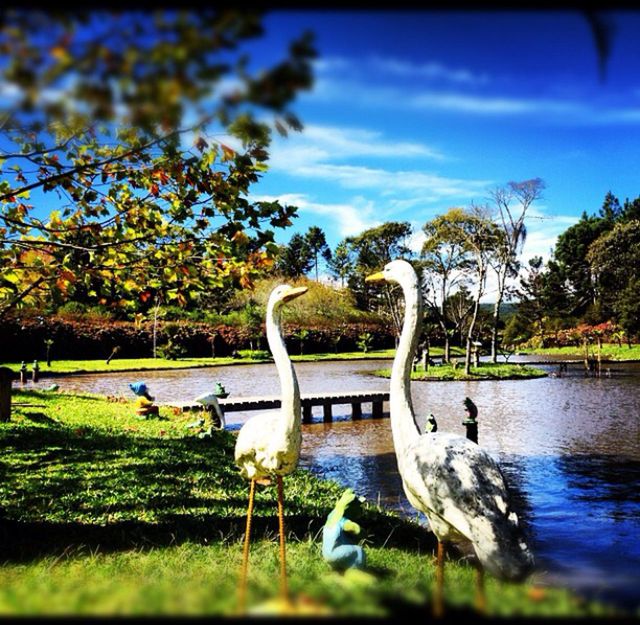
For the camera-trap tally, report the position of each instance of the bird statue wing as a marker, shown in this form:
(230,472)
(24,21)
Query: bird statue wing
(460,488)
(210,399)
(263,450)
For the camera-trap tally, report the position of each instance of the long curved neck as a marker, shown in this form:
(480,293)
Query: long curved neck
(290,393)
(403,424)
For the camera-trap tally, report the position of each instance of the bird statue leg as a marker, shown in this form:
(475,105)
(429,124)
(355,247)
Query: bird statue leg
(283,561)
(480,598)
(438,603)
(242,594)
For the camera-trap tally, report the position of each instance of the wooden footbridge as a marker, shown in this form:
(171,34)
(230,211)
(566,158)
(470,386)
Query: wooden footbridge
(308,400)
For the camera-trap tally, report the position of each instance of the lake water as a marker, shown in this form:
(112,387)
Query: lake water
(569,447)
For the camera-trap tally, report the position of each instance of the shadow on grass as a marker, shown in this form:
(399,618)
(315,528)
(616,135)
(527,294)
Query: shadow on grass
(64,487)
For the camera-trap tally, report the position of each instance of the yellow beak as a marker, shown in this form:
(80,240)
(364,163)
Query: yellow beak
(375,277)
(294,292)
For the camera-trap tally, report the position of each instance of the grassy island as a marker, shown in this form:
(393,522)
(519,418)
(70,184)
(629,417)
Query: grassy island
(608,351)
(104,513)
(486,371)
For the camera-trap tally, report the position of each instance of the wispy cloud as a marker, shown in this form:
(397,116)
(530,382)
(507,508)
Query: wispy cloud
(495,105)
(459,91)
(349,218)
(348,142)
(432,70)
(392,67)
(543,229)
(342,156)
(434,187)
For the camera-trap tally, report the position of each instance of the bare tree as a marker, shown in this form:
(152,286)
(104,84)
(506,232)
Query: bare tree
(444,262)
(511,205)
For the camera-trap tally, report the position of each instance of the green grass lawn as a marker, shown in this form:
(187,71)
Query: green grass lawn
(142,364)
(102,513)
(486,371)
(610,351)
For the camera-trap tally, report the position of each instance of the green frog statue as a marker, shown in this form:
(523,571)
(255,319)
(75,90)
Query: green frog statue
(340,533)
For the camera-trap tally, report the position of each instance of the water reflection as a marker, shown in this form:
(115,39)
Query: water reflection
(586,519)
(569,447)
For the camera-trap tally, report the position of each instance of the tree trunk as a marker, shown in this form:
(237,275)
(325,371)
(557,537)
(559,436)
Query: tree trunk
(446,356)
(5,393)
(472,324)
(502,276)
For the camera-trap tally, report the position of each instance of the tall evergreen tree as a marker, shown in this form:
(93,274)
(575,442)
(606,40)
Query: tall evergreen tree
(341,264)
(295,258)
(317,244)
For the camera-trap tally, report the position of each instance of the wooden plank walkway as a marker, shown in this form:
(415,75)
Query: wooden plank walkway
(308,400)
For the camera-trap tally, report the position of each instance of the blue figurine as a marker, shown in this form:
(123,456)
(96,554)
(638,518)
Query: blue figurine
(339,534)
(141,390)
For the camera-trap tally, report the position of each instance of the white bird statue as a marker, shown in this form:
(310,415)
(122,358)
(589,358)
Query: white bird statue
(454,482)
(269,446)
(210,403)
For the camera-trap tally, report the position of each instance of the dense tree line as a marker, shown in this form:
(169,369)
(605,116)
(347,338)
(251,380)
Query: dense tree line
(591,278)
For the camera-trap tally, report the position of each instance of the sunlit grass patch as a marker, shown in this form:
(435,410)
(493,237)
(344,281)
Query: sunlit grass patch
(486,371)
(609,351)
(105,514)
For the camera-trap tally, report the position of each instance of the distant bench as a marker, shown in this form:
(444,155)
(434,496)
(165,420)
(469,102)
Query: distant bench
(308,400)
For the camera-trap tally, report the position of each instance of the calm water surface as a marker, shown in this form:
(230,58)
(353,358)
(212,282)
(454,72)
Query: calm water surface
(569,447)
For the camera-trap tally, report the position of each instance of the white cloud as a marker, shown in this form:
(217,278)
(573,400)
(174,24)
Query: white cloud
(348,142)
(543,232)
(349,218)
(320,152)
(417,238)
(432,70)
(394,67)
(432,187)
(495,105)
(341,80)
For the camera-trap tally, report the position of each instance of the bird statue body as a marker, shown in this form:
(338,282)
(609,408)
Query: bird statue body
(462,494)
(268,446)
(454,482)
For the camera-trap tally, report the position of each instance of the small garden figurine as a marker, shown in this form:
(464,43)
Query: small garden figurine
(431,425)
(470,422)
(144,404)
(339,533)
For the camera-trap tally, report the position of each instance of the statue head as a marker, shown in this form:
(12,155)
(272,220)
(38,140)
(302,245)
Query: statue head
(349,504)
(471,408)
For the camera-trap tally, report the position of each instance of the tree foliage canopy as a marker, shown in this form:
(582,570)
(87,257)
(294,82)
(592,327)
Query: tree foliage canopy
(128,145)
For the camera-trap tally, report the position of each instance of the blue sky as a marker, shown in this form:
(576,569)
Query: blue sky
(414,112)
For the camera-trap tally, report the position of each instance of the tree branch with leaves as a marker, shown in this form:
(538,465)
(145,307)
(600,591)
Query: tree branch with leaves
(128,147)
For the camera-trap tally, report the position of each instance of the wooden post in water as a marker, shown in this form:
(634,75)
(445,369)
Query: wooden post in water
(5,393)
(376,409)
(356,410)
(327,412)
(307,412)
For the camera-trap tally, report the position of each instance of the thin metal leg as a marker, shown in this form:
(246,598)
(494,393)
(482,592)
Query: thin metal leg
(438,600)
(242,590)
(481,597)
(283,556)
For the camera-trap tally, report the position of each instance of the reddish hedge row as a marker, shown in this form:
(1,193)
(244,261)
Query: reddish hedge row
(24,338)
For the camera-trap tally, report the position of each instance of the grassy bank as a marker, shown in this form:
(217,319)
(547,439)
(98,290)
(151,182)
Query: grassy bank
(106,514)
(64,367)
(609,351)
(486,371)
